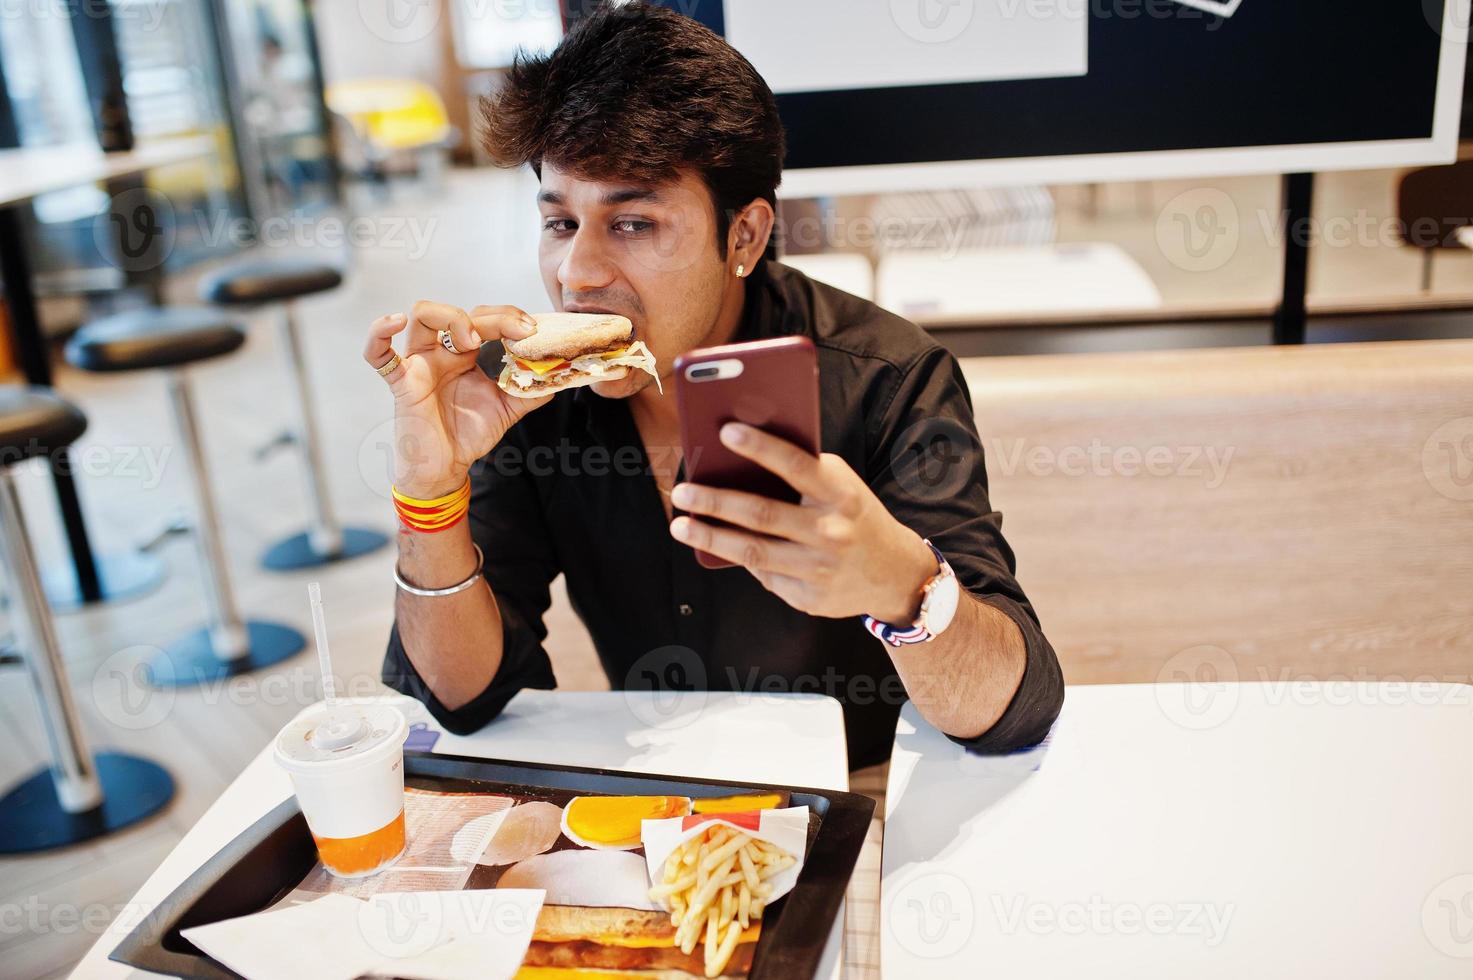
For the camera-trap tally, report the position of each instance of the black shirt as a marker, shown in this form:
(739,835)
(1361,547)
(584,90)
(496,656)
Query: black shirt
(568,490)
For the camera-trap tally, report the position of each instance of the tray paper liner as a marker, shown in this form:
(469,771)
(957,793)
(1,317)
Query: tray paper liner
(786,828)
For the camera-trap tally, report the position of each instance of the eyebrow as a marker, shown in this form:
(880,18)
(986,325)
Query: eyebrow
(620,196)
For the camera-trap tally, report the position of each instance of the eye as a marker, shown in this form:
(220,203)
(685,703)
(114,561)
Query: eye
(633,226)
(559,226)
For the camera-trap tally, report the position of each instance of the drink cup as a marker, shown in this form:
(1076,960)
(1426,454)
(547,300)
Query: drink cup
(347,767)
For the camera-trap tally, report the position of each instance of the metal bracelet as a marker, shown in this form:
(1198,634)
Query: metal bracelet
(475,577)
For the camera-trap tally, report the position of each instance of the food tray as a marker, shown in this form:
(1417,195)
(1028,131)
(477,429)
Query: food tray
(274,856)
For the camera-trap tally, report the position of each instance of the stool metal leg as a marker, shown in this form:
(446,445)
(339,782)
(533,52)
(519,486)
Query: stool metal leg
(229,646)
(79,797)
(76,781)
(325,535)
(325,540)
(229,635)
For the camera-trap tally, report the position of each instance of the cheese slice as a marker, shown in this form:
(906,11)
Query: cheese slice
(541,367)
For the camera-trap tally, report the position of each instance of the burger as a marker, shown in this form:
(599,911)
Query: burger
(569,350)
(577,939)
(597,917)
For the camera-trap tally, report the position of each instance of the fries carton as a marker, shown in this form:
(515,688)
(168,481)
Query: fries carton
(786,829)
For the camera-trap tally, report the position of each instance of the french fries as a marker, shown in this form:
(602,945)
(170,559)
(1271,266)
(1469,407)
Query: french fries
(716,883)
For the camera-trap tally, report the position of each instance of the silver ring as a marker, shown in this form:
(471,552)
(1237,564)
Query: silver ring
(447,342)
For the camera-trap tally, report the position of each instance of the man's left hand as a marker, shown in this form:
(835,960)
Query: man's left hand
(837,553)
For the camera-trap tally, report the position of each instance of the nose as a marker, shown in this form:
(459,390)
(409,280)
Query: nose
(585,265)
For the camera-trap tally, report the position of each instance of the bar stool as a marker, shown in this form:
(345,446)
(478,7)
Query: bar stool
(80,795)
(252,284)
(171,338)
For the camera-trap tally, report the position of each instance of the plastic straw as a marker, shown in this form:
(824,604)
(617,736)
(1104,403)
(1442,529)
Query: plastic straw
(324,659)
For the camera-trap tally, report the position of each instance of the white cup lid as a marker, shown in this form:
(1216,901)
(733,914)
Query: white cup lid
(347,732)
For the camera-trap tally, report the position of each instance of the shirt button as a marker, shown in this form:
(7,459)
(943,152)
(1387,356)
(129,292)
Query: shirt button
(685,609)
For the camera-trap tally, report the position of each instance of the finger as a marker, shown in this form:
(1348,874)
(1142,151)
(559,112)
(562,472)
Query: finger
(501,323)
(518,407)
(426,321)
(749,510)
(380,343)
(793,463)
(744,548)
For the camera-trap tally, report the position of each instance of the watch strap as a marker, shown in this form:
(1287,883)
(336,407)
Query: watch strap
(898,636)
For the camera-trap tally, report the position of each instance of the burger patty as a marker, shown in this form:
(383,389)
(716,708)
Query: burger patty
(550,380)
(585,954)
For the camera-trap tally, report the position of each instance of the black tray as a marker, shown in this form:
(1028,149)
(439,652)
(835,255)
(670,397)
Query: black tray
(268,860)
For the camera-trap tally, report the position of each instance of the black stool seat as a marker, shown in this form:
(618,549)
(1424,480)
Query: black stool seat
(268,280)
(34,421)
(154,337)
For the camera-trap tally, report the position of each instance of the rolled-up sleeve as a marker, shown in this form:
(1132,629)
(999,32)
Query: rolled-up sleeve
(928,467)
(507,522)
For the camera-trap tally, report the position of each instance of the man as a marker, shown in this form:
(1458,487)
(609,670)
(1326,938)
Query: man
(659,151)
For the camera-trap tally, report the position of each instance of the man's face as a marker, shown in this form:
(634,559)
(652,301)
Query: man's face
(647,252)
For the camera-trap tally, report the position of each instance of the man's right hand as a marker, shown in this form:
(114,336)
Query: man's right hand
(447,412)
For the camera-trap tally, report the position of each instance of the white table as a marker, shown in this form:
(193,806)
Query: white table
(937,288)
(795,740)
(1204,830)
(32,171)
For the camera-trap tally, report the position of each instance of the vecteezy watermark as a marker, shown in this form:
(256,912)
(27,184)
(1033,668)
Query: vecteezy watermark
(1096,916)
(1450,18)
(407,234)
(1363,688)
(1447,459)
(933,21)
(409,924)
(667,687)
(931,916)
(144,465)
(408,451)
(137,231)
(123,693)
(1202,230)
(140,17)
(1447,917)
(1207,463)
(926,689)
(1198,687)
(1199,230)
(1212,13)
(33,916)
(828,229)
(400,21)
(935,458)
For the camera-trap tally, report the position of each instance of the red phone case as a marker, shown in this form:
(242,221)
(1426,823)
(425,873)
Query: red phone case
(777,392)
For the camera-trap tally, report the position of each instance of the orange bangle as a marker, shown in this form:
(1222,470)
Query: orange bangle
(431,516)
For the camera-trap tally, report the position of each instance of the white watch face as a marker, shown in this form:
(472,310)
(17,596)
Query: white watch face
(939,607)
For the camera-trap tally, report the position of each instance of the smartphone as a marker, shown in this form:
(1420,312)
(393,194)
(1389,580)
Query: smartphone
(770,385)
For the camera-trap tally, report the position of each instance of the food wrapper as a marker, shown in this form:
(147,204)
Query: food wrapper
(786,828)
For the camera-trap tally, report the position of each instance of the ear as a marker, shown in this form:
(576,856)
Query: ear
(746,240)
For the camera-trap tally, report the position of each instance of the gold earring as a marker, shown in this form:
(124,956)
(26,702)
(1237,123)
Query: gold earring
(741,271)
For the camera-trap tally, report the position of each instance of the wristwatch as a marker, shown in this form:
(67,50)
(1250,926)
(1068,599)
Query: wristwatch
(939,599)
